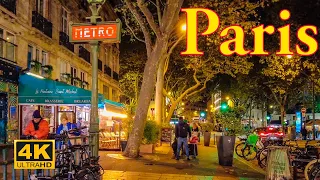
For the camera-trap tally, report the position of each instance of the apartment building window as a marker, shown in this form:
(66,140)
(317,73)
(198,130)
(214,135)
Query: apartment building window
(30,54)
(7,46)
(44,58)
(106,91)
(63,67)
(83,76)
(114,95)
(37,55)
(74,74)
(64,21)
(40,7)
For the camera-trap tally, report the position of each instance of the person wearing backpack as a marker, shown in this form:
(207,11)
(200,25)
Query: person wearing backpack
(183,134)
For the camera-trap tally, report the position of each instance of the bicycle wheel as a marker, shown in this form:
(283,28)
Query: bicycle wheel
(249,153)
(239,149)
(262,158)
(314,173)
(309,167)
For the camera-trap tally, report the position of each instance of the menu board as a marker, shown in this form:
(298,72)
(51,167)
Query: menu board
(278,164)
(166,135)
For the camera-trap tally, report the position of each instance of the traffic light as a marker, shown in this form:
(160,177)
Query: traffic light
(203,114)
(224,106)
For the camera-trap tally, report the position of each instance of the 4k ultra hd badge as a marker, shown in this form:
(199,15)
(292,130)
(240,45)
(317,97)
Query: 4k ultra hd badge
(34,154)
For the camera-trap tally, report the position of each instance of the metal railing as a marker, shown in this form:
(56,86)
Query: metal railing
(115,76)
(84,54)
(7,50)
(99,64)
(41,23)
(64,40)
(8,172)
(9,5)
(107,70)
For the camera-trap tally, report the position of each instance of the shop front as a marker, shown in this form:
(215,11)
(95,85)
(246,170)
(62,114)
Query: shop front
(53,99)
(111,132)
(9,74)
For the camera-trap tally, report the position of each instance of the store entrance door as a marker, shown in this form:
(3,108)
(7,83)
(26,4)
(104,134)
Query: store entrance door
(3,117)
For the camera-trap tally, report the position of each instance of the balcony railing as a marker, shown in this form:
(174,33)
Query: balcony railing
(9,4)
(84,54)
(41,23)
(99,64)
(64,40)
(84,5)
(7,50)
(115,76)
(107,70)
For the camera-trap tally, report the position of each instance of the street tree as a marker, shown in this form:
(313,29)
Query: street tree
(154,30)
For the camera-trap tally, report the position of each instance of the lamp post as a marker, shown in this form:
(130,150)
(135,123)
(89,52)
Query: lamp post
(95,6)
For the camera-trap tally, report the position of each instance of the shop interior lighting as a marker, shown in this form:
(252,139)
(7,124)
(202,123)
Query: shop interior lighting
(35,75)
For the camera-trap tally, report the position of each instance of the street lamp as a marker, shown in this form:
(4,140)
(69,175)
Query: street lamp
(271,106)
(184,27)
(227,98)
(95,6)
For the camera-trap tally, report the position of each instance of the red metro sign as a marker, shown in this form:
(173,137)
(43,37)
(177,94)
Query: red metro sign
(107,31)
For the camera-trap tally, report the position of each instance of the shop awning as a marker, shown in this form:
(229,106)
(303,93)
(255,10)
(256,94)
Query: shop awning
(33,90)
(114,109)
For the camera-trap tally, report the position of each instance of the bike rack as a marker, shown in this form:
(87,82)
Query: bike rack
(7,160)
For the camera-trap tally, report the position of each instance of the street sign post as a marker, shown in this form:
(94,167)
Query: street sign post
(108,32)
(94,33)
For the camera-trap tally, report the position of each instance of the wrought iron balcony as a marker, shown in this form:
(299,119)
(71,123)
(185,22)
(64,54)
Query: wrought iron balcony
(7,50)
(9,4)
(115,76)
(64,40)
(107,70)
(99,64)
(41,23)
(84,54)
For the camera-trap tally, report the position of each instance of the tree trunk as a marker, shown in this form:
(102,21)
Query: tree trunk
(282,114)
(250,109)
(159,94)
(147,88)
(171,111)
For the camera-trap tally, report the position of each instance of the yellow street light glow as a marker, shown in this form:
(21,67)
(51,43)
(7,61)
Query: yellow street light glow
(113,114)
(184,27)
(182,104)
(211,105)
(271,106)
(169,93)
(227,98)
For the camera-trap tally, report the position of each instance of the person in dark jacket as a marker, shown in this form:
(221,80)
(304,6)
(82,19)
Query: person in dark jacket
(304,133)
(183,133)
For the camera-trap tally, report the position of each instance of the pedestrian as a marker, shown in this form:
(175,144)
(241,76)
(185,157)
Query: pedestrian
(182,132)
(196,129)
(65,126)
(38,127)
(304,133)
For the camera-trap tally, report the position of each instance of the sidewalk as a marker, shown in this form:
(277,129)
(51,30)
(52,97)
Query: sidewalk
(161,166)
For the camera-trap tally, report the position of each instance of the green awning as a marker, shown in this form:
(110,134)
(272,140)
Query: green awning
(33,90)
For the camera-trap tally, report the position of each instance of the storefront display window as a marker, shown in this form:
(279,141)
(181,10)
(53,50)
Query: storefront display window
(47,113)
(68,111)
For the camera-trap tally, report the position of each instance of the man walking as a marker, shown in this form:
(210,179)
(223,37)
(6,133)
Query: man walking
(182,132)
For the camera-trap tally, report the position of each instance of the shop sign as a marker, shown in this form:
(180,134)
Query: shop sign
(278,164)
(57,91)
(105,31)
(55,100)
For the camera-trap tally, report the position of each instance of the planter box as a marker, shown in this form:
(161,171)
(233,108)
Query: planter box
(206,137)
(146,148)
(225,149)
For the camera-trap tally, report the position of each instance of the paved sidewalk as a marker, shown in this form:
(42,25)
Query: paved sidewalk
(161,166)
(121,175)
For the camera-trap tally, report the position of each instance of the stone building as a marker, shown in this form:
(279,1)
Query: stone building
(36,31)
(34,38)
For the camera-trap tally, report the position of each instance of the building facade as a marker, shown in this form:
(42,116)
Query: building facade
(34,38)
(34,34)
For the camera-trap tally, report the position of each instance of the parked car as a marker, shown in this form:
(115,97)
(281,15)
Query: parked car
(271,133)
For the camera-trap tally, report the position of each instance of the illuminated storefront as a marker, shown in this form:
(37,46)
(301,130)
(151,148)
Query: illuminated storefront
(53,99)
(110,125)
